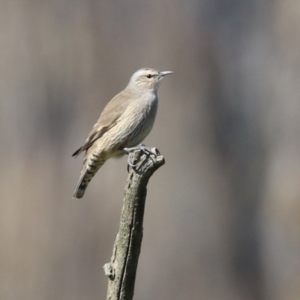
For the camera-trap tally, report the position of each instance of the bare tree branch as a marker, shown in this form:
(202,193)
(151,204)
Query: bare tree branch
(121,271)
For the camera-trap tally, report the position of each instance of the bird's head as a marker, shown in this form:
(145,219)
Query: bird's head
(147,78)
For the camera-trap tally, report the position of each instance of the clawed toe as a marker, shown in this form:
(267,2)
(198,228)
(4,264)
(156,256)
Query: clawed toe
(128,150)
(130,163)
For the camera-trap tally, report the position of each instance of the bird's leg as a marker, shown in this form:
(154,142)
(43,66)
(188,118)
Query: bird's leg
(138,147)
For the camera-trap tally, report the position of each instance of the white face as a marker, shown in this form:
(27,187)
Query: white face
(148,78)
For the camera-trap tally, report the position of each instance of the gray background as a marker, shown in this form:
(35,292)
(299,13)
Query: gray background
(222,216)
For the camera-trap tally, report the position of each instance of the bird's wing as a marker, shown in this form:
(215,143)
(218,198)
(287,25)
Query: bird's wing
(108,118)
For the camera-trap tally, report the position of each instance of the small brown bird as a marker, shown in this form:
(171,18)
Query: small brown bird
(124,123)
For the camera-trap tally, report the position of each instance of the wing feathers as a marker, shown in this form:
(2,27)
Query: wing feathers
(108,119)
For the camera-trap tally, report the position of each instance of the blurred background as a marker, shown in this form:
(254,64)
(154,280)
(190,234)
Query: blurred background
(222,219)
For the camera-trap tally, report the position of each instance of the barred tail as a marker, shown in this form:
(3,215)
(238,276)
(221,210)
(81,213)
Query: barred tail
(86,176)
(80,189)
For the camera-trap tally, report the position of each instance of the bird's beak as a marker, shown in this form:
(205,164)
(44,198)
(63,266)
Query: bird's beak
(166,73)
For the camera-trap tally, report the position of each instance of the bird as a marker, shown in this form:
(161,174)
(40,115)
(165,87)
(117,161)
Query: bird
(124,123)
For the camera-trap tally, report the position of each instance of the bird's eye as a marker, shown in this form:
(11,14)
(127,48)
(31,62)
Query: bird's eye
(149,76)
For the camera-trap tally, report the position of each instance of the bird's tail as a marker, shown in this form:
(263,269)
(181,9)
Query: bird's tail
(87,173)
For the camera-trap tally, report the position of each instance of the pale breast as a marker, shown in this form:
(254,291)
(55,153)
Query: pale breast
(143,116)
(134,125)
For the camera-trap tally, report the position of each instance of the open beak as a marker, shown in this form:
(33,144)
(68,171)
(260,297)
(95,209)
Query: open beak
(166,73)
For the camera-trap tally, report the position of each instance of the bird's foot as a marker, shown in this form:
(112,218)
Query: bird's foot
(138,147)
(147,151)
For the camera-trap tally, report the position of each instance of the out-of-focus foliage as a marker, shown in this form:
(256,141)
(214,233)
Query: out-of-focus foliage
(223,215)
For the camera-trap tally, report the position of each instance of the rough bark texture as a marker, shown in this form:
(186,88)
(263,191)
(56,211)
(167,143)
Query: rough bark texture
(121,271)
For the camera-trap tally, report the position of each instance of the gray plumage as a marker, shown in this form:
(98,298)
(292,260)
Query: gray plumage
(125,122)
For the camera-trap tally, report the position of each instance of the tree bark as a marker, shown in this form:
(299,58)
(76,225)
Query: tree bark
(121,270)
